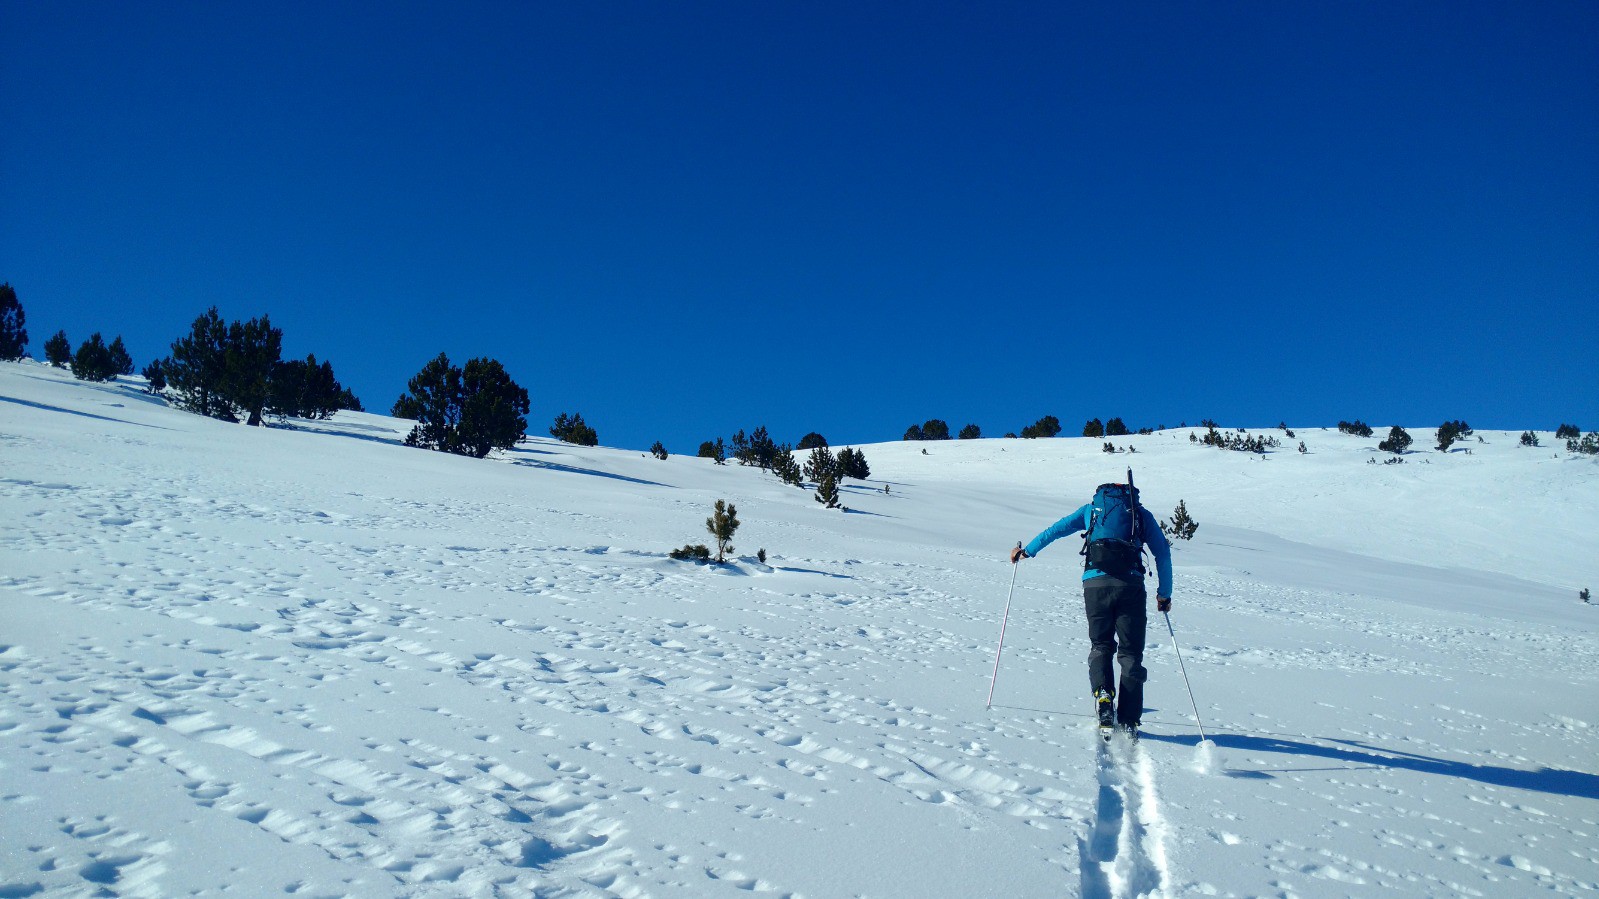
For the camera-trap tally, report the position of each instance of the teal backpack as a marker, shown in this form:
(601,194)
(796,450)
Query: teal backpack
(1112,543)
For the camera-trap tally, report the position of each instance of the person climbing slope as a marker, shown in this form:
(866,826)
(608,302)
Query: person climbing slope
(1115,530)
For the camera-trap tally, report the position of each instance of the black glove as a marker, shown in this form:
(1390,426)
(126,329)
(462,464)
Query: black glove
(1017,554)
(1163,603)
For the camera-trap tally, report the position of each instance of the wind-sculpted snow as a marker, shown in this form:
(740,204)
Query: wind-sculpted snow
(311,661)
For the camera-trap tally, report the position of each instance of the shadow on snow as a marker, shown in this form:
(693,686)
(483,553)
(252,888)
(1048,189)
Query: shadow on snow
(49,408)
(1557,781)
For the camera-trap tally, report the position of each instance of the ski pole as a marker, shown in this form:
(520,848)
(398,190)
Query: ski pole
(1002,622)
(1184,669)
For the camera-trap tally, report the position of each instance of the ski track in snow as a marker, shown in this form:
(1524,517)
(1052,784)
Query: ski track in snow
(1124,855)
(276,669)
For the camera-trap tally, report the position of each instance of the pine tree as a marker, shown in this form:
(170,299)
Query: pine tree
(197,366)
(853,465)
(914,432)
(1528,438)
(827,490)
(1094,428)
(155,375)
(971,432)
(1115,428)
(121,362)
(254,348)
(786,468)
(935,429)
(1567,432)
(658,450)
(573,429)
(1398,441)
(58,351)
(469,412)
(821,463)
(722,523)
(13,333)
(93,360)
(1181,526)
(811,441)
(1048,426)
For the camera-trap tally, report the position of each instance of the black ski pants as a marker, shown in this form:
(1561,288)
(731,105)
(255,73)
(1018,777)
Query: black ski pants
(1116,620)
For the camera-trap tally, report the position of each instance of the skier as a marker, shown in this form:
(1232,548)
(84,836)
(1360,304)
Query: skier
(1116,528)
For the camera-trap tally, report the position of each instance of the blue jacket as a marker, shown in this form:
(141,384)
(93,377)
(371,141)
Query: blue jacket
(1150,530)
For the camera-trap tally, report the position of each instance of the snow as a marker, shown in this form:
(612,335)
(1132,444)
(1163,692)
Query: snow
(312,661)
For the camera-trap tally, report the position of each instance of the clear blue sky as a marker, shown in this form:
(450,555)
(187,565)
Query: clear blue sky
(681,219)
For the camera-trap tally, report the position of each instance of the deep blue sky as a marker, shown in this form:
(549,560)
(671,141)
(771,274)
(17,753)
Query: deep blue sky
(681,219)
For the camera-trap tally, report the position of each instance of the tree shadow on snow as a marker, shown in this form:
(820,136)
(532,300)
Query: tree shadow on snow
(573,469)
(49,408)
(1556,781)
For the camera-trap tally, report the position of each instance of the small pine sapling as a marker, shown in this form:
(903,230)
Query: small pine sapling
(658,450)
(1528,438)
(1181,526)
(1584,596)
(722,523)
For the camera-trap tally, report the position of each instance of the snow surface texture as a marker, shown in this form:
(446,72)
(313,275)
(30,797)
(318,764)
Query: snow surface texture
(312,661)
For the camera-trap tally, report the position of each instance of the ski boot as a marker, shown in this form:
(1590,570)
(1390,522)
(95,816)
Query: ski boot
(1105,702)
(1129,729)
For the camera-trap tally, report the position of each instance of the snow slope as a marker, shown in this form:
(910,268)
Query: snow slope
(313,661)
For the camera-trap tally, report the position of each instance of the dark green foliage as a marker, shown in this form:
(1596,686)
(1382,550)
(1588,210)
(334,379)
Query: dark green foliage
(121,362)
(827,490)
(714,450)
(1451,431)
(1181,526)
(572,429)
(1147,431)
(914,432)
(1584,595)
(1397,442)
(787,468)
(722,523)
(13,333)
(1094,428)
(1239,441)
(1528,438)
(852,464)
(92,361)
(971,432)
(935,429)
(1288,433)
(822,463)
(812,441)
(1010,435)
(1048,426)
(1108,447)
(305,389)
(658,450)
(1115,428)
(155,374)
(223,370)
(1356,427)
(760,555)
(1207,423)
(762,448)
(348,400)
(253,350)
(1302,449)
(1567,432)
(692,552)
(469,411)
(1587,446)
(758,449)
(57,351)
